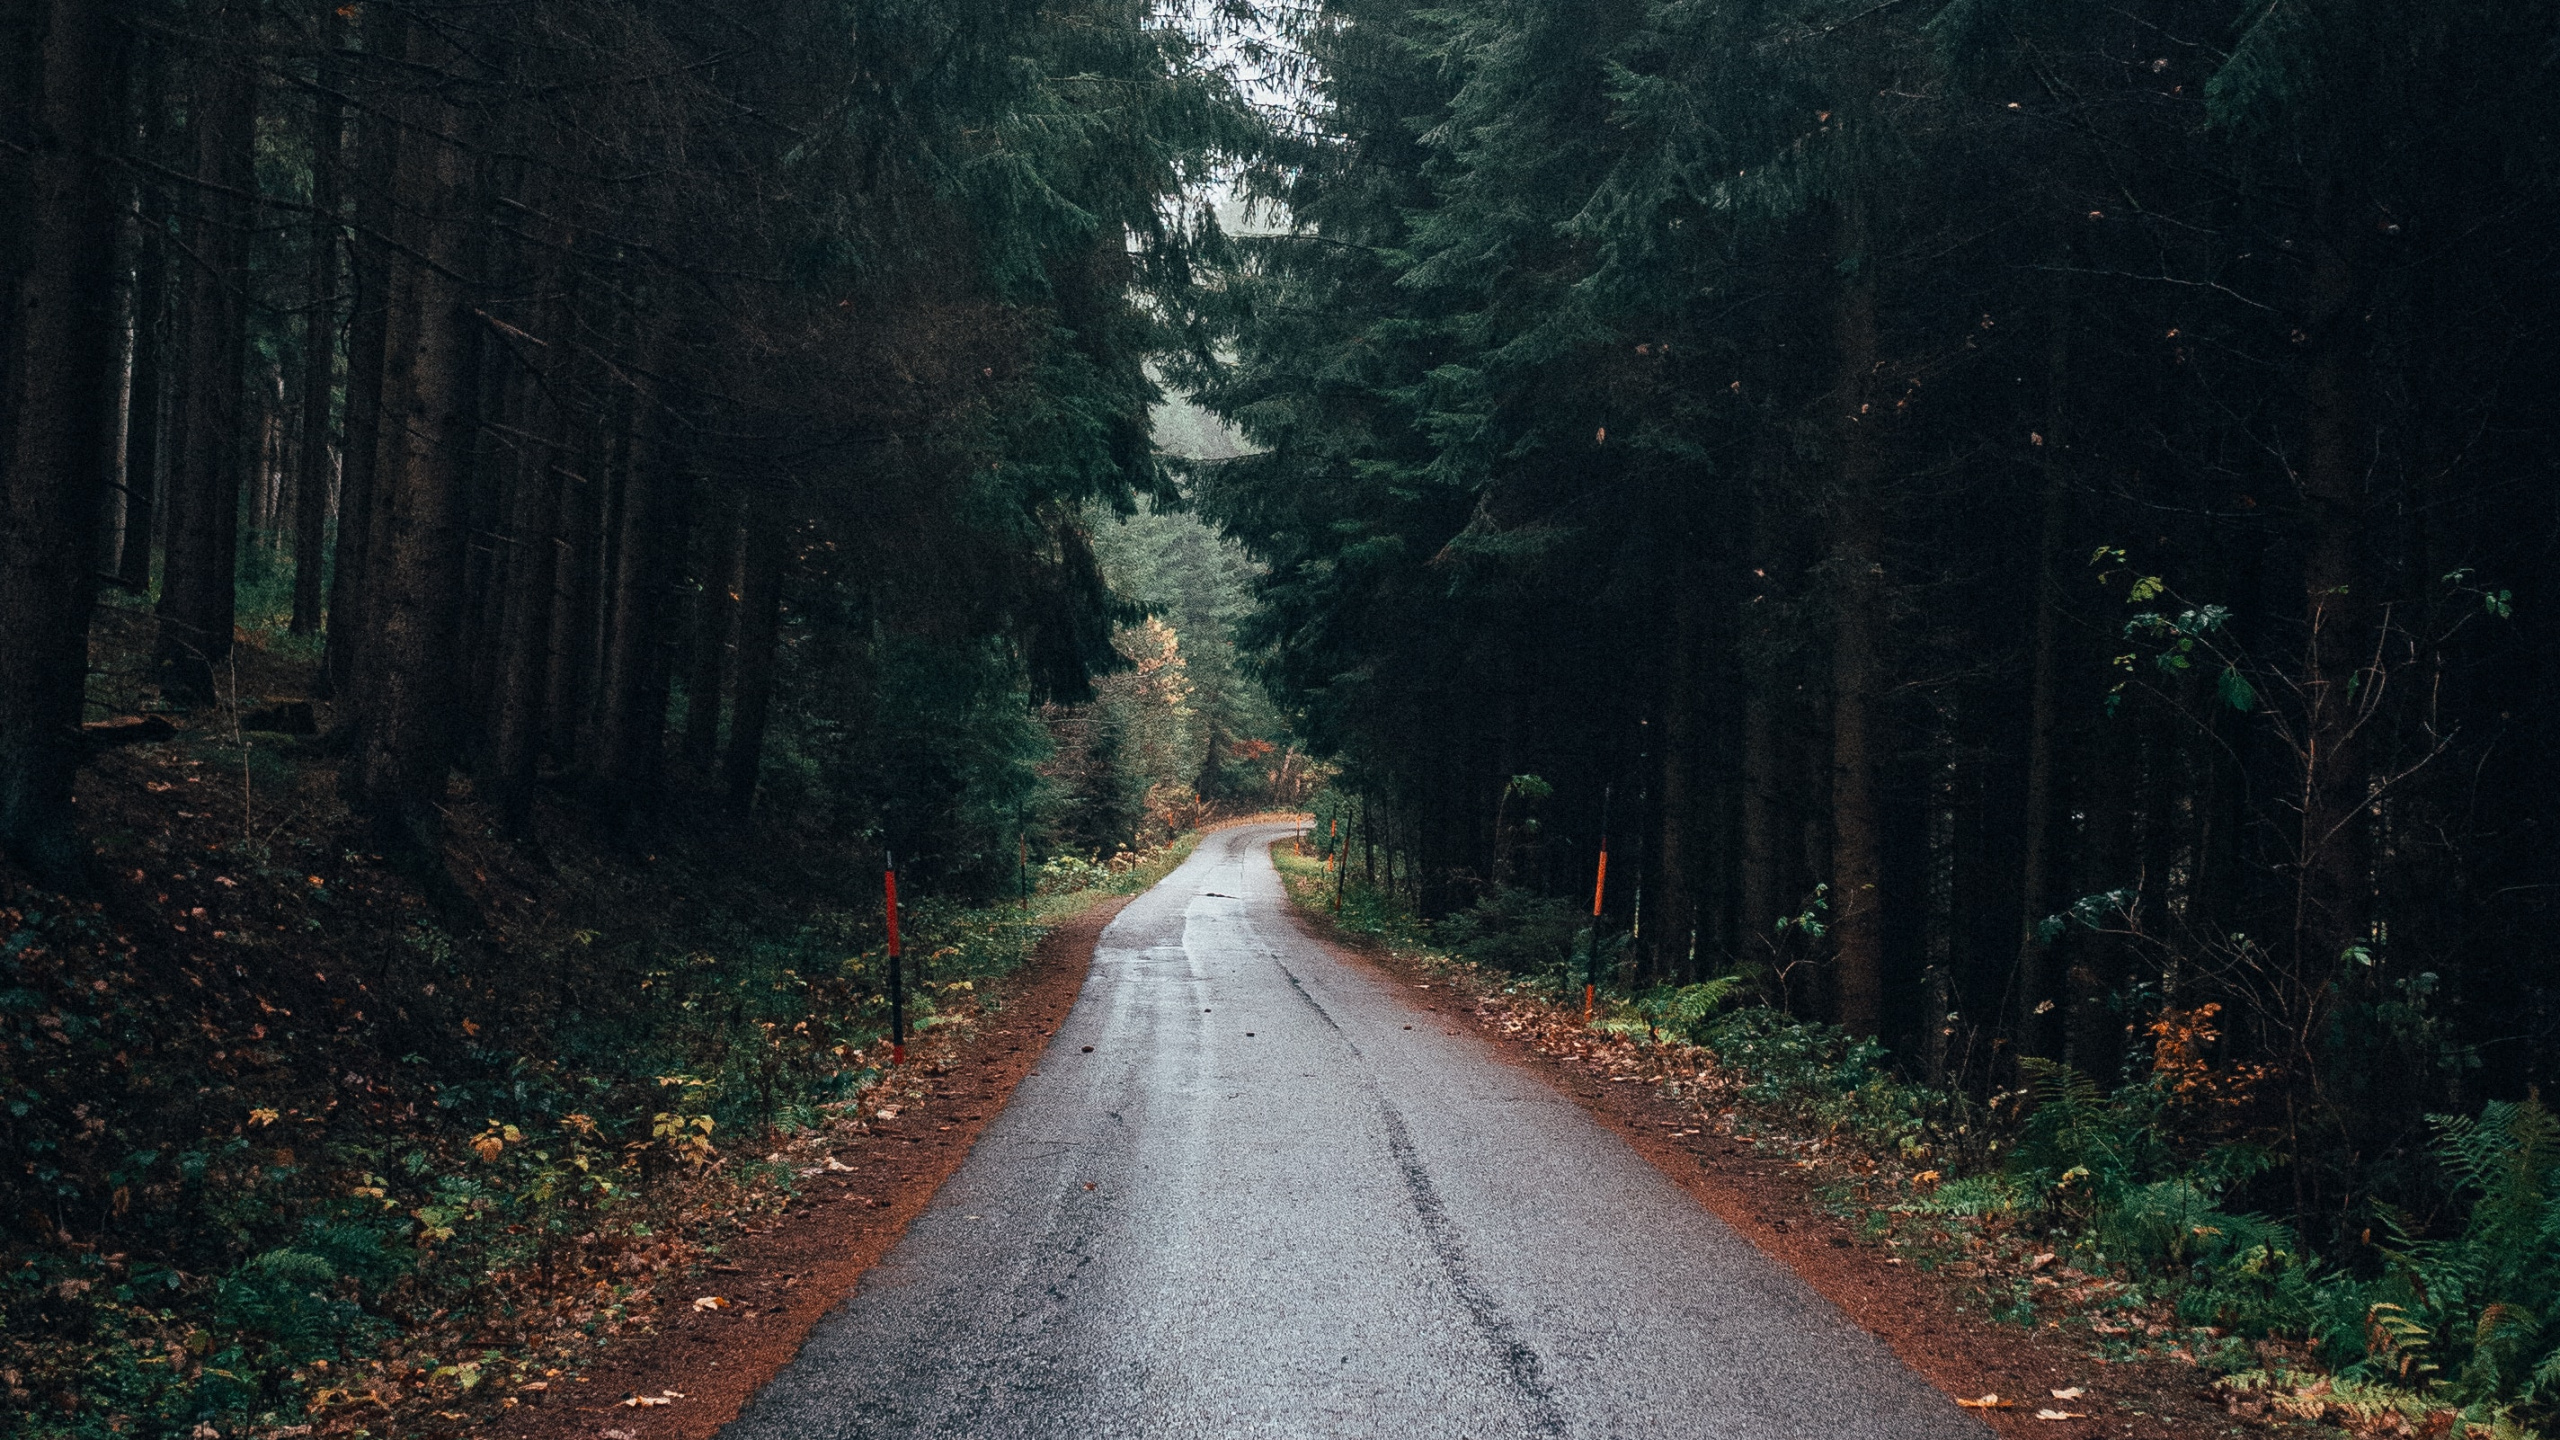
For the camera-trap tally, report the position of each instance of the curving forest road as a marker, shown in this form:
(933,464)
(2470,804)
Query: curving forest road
(1253,1192)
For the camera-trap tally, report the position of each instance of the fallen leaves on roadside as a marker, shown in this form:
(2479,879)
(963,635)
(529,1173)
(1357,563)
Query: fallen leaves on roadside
(2074,1393)
(2050,1414)
(1989,1402)
(837,1167)
(644,1402)
(710,1302)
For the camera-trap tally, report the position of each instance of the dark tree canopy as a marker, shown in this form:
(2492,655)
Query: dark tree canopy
(2056,496)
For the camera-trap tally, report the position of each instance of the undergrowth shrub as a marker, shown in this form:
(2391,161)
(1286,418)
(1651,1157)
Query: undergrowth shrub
(2475,1315)
(1067,872)
(1516,931)
(2460,1320)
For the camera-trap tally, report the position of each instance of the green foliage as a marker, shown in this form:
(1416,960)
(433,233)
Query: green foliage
(2475,1310)
(264,597)
(290,1299)
(1517,931)
(2456,1317)
(1794,1064)
(1680,1012)
(2110,1171)
(1529,787)
(274,1231)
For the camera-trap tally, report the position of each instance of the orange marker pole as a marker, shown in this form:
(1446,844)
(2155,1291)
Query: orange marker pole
(897,977)
(1599,891)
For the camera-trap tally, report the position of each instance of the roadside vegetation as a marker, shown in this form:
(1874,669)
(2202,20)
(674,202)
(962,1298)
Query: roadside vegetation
(353,1167)
(2103,1213)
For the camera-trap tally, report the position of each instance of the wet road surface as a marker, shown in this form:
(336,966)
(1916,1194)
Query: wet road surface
(1262,1206)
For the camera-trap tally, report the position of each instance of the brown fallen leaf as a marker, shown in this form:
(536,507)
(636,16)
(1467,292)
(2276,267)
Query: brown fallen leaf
(710,1302)
(1989,1402)
(2074,1393)
(2060,1415)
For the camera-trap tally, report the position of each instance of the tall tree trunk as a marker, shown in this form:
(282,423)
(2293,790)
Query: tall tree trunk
(22,35)
(197,592)
(506,455)
(632,729)
(1369,842)
(1675,915)
(267,478)
(525,643)
(116,494)
(714,610)
(319,337)
(2038,1030)
(1763,828)
(768,550)
(573,603)
(503,461)
(378,145)
(56,419)
(1857,566)
(404,687)
(147,405)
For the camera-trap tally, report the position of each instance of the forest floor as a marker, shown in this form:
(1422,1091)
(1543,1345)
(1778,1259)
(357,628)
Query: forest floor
(2061,1363)
(775,1283)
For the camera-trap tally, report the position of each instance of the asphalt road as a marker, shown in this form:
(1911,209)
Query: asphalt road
(1263,1206)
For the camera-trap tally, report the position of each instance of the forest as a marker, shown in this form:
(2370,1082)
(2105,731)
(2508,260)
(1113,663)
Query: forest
(2019,537)
(2021,520)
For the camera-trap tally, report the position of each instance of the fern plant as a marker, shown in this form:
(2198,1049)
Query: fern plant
(2478,1312)
(2083,1148)
(2110,1166)
(1680,1012)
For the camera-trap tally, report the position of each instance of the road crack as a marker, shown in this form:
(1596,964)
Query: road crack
(1518,1359)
